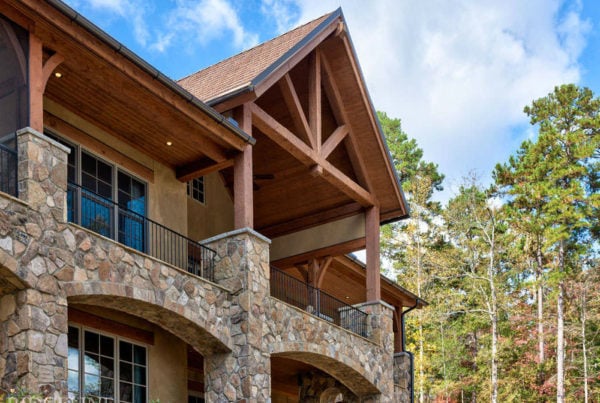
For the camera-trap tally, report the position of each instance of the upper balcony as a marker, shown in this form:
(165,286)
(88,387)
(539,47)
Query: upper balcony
(297,154)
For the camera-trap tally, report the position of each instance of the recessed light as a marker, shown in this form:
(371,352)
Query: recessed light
(58,74)
(169,143)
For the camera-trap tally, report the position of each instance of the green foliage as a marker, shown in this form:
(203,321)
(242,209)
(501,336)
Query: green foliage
(539,238)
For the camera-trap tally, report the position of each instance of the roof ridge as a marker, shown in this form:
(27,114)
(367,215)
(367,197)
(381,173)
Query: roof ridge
(262,44)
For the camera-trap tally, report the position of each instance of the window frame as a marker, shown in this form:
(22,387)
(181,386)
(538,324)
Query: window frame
(191,188)
(77,151)
(116,339)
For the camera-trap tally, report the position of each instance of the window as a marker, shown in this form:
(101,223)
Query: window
(105,199)
(195,189)
(105,368)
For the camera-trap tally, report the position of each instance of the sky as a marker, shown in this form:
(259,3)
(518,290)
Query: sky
(458,73)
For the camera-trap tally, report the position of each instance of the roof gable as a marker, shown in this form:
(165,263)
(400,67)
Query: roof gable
(246,69)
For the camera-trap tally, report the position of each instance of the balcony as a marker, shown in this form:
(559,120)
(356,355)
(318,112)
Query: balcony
(316,302)
(109,219)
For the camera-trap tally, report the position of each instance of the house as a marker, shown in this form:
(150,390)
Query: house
(190,241)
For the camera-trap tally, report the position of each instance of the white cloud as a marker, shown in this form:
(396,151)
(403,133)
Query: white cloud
(133,11)
(282,12)
(459,73)
(204,21)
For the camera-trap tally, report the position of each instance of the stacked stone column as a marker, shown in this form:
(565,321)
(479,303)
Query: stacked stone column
(33,317)
(244,374)
(380,329)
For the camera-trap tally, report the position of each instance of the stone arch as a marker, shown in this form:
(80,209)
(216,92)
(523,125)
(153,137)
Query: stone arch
(171,316)
(354,377)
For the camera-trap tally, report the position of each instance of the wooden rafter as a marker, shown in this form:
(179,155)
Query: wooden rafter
(200,168)
(334,140)
(290,96)
(303,153)
(314,98)
(50,65)
(335,100)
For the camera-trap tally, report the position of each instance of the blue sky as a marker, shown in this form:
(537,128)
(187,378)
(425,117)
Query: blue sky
(457,72)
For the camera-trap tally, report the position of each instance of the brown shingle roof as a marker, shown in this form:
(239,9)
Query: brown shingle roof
(240,70)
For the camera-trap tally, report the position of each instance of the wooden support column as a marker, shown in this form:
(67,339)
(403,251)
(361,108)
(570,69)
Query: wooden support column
(372,241)
(242,175)
(398,329)
(36,84)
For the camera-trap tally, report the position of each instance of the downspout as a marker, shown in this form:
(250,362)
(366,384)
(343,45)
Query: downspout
(412,358)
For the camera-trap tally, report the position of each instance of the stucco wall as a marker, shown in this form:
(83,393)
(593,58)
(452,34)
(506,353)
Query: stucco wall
(215,216)
(321,236)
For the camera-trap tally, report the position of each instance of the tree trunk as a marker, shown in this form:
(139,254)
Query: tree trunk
(494,320)
(583,343)
(560,332)
(540,306)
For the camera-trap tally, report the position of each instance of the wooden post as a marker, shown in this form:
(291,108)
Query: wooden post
(372,235)
(242,175)
(36,84)
(398,329)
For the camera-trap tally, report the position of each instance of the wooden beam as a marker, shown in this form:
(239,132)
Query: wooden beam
(282,136)
(373,264)
(334,250)
(294,106)
(334,140)
(325,263)
(120,329)
(86,141)
(50,65)
(335,100)
(314,99)
(297,148)
(242,175)
(36,84)
(200,168)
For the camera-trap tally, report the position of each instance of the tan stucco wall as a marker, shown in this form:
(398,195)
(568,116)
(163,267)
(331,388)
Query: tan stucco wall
(215,216)
(168,368)
(318,237)
(167,358)
(164,194)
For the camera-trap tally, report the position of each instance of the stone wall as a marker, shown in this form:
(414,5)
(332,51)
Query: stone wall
(364,366)
(403,381)
(47,263)
(242,265)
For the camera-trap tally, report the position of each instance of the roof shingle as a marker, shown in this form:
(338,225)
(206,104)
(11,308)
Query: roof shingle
(240,70)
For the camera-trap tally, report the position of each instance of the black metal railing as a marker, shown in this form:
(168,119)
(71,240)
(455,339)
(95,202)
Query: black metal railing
(8,170)
(317,302)
(109,219)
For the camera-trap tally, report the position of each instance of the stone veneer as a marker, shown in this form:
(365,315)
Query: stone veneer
(403,381)
(46,264)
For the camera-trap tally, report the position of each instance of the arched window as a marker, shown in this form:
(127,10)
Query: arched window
(13,82)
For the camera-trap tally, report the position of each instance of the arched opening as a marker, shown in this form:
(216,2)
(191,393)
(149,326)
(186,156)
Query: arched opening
(116,355)
(294,381)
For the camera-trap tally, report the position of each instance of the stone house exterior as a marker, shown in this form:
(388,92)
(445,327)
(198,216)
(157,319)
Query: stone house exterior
(190,240)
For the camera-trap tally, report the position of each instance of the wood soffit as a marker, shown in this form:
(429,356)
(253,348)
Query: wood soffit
(112,92)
